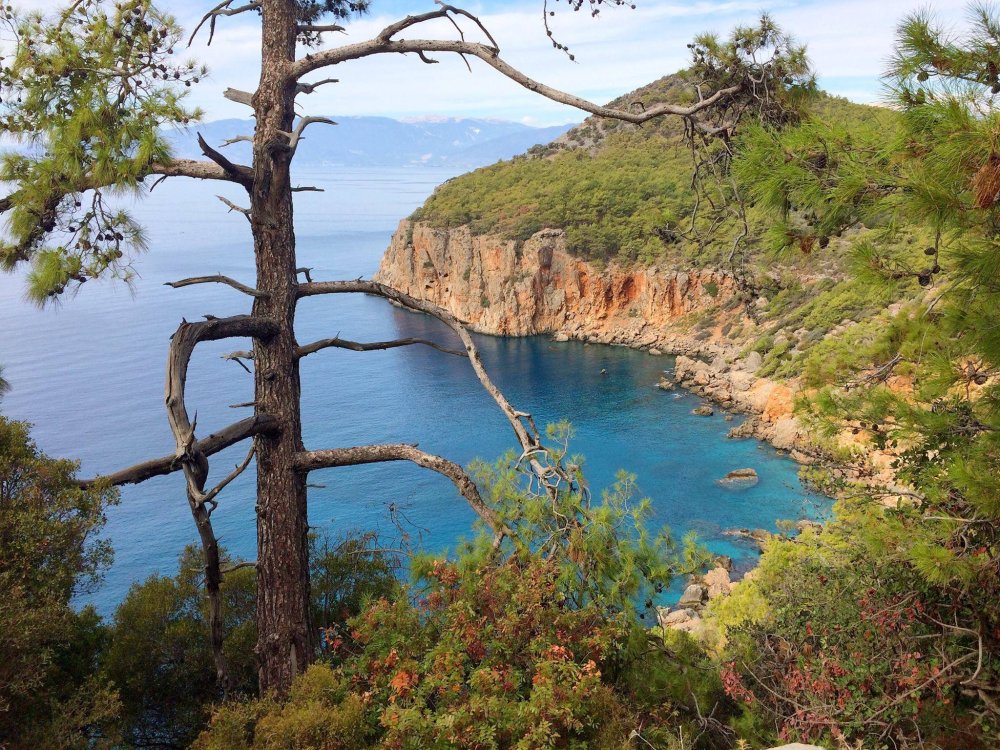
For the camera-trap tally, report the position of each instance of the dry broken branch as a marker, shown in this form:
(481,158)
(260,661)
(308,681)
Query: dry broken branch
(207,446)
(340,343)
(233,207)
(238,96)
(209,497)
(383,44)
(222,9)
(182,345)
(308,88)
(369,454)
(236,139)
(236,172)
(296,135)
(217,279)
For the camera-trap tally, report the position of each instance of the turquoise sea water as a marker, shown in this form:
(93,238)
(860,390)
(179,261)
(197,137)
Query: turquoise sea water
(89,375)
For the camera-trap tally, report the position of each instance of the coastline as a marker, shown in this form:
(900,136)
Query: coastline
(511,288)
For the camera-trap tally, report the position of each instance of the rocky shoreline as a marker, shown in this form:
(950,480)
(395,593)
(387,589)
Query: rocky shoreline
(535,287)
(511,288)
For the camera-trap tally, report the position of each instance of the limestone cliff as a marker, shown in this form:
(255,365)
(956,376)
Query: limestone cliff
(515,288)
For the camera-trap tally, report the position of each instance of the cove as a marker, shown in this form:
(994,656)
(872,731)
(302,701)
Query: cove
(89,375)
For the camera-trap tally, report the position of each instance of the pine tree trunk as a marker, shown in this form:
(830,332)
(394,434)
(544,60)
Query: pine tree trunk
(284,642)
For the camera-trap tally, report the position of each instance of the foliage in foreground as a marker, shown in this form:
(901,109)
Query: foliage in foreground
(532,645)
(902,639)
(50,692)
(839,638)
(159,656)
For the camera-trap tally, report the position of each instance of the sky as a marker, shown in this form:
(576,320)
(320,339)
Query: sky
(622,49)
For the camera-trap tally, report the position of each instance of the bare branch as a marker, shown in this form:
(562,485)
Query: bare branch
(233,207)
(182,345)
(307,272)
(222,9)
(295,136)
(238,96)
(217,279)
(368,454)
(237,139)
(314,29)
(209,497)
(446,11)
(546,466)
(521,423)
(237,172)
(308,88)
(383,44)
(208,446)
(308,189)
(199,170)
(238,358)
(339,343)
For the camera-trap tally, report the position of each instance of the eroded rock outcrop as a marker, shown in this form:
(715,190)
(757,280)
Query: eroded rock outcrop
(519,288)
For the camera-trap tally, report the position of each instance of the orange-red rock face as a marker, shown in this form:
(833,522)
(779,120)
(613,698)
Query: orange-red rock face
(520,288)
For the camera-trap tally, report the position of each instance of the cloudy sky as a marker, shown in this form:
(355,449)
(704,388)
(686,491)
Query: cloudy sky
(622,49)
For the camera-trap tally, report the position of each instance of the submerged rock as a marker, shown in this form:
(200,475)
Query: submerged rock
(703,411)
(740,478)
(757,536)
(665,384)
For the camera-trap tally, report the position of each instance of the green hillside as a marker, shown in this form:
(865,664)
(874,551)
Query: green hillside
(619,191)
(623,193)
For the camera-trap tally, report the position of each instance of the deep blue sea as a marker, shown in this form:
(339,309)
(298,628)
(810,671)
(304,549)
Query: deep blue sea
(89,375)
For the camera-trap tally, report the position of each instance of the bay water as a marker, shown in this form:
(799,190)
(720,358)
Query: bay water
(88,373)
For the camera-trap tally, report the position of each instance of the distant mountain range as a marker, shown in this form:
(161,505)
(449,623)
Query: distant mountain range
(384,142)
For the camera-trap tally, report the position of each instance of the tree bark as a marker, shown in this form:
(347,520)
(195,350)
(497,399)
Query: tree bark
(284,642)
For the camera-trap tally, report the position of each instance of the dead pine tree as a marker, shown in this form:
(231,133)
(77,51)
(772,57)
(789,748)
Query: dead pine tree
(91,86)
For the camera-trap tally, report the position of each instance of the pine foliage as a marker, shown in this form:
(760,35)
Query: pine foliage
(86,94)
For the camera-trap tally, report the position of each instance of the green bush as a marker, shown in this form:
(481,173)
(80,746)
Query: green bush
(49,551)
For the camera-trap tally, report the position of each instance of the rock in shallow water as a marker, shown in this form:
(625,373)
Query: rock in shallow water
(758,536)
(703,411)
(740,478)
(665,384)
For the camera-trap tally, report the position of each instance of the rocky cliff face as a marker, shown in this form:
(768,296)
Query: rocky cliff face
(515,288)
